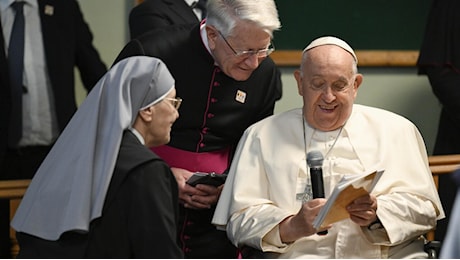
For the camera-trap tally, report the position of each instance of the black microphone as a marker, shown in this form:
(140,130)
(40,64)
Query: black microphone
(315,162)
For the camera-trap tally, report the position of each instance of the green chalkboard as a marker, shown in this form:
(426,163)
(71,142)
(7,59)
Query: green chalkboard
(364,24)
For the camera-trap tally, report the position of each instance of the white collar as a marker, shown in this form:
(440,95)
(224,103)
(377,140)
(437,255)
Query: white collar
(190,2)
(137,134)
(6,3)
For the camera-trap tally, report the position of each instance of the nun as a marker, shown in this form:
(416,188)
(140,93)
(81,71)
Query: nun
(101,192)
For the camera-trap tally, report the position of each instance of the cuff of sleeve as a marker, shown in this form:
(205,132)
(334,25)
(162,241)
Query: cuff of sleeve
(377,224)
(272,241)
(376,233)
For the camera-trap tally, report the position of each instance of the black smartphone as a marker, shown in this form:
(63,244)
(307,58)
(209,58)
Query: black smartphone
(212,178)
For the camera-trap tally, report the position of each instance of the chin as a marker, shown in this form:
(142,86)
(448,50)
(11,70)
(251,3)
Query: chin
(241,75)
(241,78)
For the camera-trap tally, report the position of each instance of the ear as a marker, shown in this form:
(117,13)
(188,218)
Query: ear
(298,78)
(358,80)
(146,114)
(357,83)
(212,33)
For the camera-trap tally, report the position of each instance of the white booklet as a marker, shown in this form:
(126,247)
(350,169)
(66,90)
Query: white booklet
(348,189)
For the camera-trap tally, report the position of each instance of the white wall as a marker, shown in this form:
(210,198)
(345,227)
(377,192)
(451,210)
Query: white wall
(399,90)
(108,21)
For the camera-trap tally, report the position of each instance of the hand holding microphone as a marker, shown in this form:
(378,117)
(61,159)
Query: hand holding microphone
(315,162)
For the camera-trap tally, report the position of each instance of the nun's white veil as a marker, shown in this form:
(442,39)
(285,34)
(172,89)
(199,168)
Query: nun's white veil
(69,188)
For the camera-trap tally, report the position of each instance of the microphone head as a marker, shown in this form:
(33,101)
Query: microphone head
(315,159)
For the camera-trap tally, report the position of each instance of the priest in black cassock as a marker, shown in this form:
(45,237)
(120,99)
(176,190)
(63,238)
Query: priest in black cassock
(223,69)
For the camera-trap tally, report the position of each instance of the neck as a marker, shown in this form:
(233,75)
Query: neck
(308,140)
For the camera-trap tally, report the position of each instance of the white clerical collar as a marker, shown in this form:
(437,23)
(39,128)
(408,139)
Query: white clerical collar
(204,38)
(138,135)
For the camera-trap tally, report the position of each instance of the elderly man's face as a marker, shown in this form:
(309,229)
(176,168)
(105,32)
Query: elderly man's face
(245,38)
(328,86)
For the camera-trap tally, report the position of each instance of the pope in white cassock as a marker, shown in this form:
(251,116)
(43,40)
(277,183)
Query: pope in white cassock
(263,203)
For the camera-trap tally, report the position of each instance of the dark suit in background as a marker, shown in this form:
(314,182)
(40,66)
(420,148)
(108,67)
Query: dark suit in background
(67,42)
(440,60)
(152,14)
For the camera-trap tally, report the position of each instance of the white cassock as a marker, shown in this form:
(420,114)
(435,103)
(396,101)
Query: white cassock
(269,169)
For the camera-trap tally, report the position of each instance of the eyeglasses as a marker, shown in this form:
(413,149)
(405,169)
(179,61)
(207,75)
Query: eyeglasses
(175,102)
(246,54)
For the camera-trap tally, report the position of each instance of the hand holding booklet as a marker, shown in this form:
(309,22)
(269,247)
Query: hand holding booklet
(346,191)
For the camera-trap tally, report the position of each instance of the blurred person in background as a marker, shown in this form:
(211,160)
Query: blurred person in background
(439,60)
(153,14)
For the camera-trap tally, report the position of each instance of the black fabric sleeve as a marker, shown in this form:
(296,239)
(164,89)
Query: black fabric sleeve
(152,217)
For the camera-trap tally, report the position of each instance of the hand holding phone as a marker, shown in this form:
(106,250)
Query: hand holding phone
(212,178)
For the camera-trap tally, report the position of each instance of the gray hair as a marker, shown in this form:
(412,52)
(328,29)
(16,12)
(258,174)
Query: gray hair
(224,14)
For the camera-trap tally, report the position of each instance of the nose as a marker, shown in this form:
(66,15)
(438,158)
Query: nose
(328,95)
(252,61)
(176,113)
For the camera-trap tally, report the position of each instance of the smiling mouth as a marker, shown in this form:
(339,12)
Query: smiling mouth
(327,108)
(246,69)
